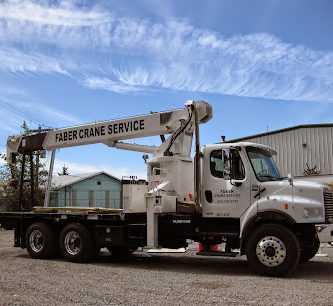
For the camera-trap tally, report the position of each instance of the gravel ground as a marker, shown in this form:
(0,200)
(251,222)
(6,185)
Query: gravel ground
(141,279)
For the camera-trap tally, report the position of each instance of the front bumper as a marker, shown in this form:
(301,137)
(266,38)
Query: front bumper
(325,232)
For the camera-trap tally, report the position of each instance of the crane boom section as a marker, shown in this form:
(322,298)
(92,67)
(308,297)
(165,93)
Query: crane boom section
(114,130)
(110,132)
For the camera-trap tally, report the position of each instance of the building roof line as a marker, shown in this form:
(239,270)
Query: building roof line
(82,177)
(296,127)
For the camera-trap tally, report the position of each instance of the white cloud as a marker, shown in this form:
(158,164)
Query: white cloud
(8,119)
(63,14)
(55,115)
(14,112)
(7,89)
(138,55)
(18,61)
(108,84)
(54,24)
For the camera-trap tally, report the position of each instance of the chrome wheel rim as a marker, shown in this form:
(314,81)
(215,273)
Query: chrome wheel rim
(271,251)
(36,241)
(73,243)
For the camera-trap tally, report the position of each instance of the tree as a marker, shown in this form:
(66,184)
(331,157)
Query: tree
(10,178)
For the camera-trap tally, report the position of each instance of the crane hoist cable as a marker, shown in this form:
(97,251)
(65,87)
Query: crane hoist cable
(179,131)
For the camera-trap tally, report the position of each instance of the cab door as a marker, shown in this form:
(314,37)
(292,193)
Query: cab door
(226,183)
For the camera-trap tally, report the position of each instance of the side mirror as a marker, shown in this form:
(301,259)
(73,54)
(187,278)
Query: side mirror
(290,179)
(230,160)
(226,164)
(226,174)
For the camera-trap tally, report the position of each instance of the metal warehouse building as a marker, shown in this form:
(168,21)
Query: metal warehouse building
(302,150)
(98,189)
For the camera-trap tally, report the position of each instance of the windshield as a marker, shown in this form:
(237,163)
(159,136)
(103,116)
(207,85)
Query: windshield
(263,164)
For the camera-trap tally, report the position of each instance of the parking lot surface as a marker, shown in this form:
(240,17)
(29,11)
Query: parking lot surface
(163,279)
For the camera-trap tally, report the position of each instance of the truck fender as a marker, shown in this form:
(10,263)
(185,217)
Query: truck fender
(262,217)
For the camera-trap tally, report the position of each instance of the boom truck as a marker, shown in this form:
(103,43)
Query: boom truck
(230,194)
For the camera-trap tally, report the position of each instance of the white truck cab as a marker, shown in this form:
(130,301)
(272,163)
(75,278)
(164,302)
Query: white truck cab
(241,179)
(276,215)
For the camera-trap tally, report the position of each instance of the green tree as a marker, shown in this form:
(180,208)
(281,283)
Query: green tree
(10,178)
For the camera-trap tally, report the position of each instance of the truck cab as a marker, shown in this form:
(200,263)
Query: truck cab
(276,215)
(241,179)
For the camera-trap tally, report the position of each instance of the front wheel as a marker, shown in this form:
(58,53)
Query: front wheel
(310,251)
(273,250)
(76,243)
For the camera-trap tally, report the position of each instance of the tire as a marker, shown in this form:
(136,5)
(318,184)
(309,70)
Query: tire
(119,251)
(40,240)
(273,250)
(310,251)
(76,243)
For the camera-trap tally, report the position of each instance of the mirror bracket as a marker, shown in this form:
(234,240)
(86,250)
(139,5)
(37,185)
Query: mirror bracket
(235,183)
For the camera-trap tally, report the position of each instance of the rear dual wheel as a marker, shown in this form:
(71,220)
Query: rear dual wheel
(76,243)
(41,241)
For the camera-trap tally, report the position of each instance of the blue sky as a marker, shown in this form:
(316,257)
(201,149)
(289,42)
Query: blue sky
(261,64)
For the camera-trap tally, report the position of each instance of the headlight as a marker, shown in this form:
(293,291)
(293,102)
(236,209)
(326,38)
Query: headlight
(313,213)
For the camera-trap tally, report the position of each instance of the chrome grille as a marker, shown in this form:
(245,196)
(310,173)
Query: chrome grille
(328,200)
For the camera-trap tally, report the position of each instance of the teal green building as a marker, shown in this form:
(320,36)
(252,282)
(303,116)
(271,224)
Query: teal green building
(98,189)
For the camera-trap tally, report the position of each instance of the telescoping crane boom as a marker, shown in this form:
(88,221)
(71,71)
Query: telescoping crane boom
(174,150)
(179,122)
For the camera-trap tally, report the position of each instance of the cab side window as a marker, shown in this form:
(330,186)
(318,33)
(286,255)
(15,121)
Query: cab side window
(216,163)
(221,161)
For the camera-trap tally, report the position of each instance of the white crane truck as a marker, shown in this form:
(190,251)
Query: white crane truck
(230,194)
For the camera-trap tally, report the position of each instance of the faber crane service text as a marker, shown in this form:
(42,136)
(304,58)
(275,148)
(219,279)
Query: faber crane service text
(102,130)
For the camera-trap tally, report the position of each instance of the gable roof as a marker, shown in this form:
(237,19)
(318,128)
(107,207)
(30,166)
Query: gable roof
(60,181)
(296,127)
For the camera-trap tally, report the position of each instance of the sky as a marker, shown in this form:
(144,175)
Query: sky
(262,65)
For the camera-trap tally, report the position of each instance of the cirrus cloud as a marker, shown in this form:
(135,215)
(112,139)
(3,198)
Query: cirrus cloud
(127,55)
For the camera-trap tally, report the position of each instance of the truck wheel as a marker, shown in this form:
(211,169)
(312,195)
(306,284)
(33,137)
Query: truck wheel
(310,251)
(119,251)
(273,250)
(76,243)
(40,240)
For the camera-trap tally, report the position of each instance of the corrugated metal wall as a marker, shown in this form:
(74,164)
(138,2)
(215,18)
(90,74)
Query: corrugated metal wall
(98,191)
(297,147)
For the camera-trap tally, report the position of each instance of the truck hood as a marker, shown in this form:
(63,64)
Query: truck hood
(299,185)
(297,199)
